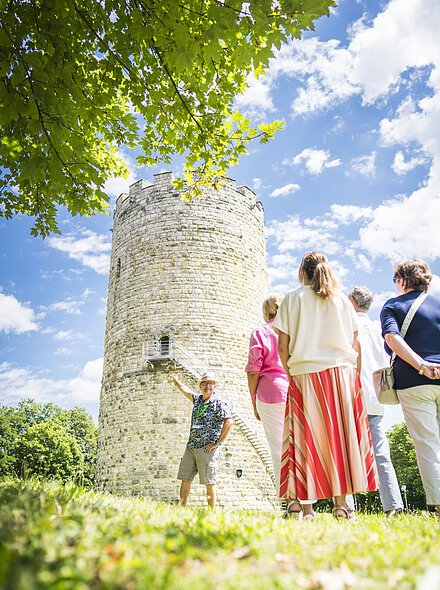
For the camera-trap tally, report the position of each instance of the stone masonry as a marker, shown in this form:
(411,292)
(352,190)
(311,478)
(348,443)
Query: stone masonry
(186,286)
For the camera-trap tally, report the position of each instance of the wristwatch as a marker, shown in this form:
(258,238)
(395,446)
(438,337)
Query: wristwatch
(218,443)
(423,366)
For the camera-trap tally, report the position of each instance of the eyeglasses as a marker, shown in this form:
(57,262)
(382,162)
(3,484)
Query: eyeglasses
(395,279)
(208,383)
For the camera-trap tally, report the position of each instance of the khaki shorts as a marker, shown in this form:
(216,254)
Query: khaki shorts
(197,461)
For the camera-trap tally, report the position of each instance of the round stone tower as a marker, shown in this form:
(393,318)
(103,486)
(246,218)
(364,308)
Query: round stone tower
(187,281)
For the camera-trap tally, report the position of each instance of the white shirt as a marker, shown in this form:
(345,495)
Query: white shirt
(321,330)
(373,357)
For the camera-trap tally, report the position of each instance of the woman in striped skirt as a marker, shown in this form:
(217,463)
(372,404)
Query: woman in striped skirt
(327,450)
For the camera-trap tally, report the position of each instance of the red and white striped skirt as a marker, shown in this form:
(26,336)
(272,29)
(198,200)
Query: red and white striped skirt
(327,449)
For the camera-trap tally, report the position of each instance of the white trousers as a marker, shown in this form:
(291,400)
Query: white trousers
(272,418)
(421,408)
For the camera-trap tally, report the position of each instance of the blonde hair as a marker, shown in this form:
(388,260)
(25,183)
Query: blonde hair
(318,274)
(271,305)
(415,274)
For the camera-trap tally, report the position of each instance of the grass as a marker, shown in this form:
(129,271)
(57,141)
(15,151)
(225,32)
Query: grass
(62,537)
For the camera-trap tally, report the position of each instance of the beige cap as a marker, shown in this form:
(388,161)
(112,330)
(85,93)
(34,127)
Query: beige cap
(208,376)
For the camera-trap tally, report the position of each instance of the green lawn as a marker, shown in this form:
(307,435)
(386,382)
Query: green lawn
(61,537)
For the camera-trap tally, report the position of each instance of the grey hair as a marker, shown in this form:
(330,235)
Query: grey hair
(362,296)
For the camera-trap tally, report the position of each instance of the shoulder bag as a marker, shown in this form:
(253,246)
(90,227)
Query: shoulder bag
(383,379)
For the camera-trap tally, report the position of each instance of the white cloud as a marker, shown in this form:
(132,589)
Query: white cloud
(88,383)
(62,352)
(405,228)
(287,189)
(283,288)
(403,36)
(365,263)
(15,316)
(116,186)
(325,68)
(67,335)
(91,250)
(69,274)
(381,298)
(341,272)
(315,160)
(402,166)
(291,234)
(434,287)
(257,183)
(69,306)
(283,267)
(364,165)
(20,383)
(321,223)
(256,99)
(347,214)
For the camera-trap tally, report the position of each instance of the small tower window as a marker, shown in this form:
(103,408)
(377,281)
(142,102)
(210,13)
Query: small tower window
(164,345)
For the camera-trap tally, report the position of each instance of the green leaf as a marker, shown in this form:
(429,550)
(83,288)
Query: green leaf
(82,80)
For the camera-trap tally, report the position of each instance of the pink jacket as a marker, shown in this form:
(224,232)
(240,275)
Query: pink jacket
(263,358)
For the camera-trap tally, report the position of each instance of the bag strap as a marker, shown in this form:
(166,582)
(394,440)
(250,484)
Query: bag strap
(408,318)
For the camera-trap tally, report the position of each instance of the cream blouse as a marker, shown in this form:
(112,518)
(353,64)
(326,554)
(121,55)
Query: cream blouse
(321,330)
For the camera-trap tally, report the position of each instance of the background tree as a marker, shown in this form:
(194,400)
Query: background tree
(48,450)
(45,440)
(80,78)
(404,460)
(80,425)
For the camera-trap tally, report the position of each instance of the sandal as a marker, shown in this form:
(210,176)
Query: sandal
(309,517)
(337,510)
(295,513)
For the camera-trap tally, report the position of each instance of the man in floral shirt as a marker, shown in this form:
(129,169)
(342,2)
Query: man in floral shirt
(211,421)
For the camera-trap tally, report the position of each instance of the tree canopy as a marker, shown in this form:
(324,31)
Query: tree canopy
(81,78)
(403,456)
(44,440)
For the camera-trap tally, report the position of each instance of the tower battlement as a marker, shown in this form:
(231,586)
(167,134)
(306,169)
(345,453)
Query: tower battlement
(164,179)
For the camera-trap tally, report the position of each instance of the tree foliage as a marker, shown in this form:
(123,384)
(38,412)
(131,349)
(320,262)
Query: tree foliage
(403,456)
(80,78)
(44,440)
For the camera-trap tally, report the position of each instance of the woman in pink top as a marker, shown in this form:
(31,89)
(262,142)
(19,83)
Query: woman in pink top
(268,382)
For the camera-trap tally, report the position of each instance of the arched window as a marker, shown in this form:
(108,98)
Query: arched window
(164,345)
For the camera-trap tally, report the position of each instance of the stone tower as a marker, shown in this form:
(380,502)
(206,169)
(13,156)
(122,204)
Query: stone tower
(186,287)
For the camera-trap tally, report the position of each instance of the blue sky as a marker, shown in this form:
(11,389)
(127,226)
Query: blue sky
(355,173)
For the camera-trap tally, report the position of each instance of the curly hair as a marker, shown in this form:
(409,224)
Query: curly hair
(415,274)
(318,273)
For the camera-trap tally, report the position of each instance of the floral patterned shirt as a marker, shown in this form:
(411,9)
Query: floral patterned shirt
(207,420)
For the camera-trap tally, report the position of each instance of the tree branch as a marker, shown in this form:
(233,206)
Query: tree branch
(170,77)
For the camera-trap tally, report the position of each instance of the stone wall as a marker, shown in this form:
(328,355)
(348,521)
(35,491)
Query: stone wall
(196,273)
